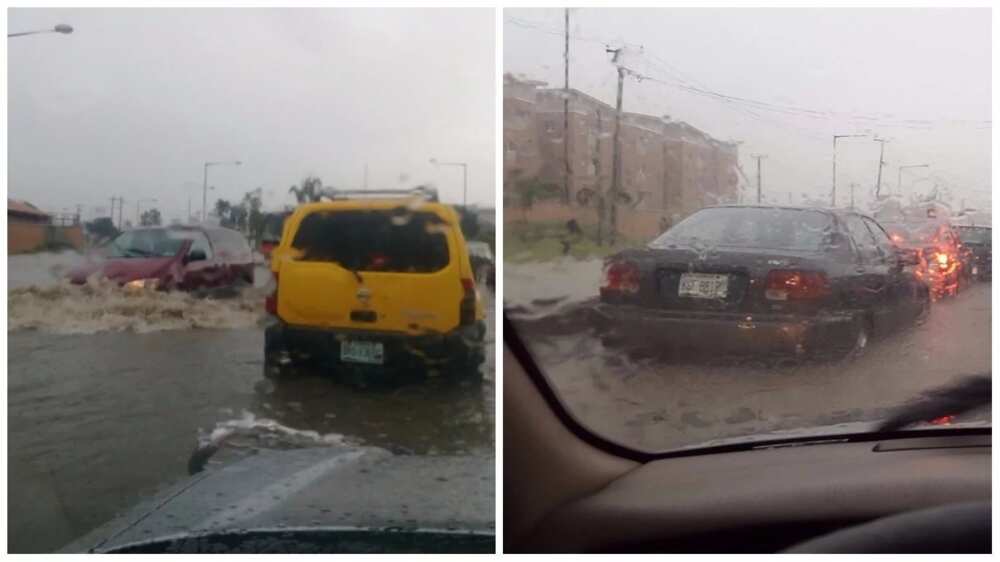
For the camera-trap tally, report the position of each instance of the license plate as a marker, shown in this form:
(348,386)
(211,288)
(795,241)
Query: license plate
(703,286)
(362,352)
(975,270)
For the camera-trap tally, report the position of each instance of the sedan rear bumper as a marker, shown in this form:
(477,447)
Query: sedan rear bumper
(725,332)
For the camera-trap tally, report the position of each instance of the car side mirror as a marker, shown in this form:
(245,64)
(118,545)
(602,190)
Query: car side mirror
(195,255)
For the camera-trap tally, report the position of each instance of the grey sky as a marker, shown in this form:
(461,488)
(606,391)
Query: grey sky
(134,101)
(898,64)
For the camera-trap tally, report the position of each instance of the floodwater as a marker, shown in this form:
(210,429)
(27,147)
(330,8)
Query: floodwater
(110,394)
(655,404)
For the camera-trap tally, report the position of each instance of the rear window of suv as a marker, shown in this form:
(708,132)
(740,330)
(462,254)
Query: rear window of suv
(398,240)
(750,227)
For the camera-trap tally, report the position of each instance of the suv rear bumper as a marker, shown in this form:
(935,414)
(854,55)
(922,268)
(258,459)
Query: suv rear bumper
(461,346)
(727,332)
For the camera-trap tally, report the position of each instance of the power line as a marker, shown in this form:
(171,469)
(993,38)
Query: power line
(689,85)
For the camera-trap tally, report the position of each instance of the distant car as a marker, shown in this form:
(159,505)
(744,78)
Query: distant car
(182,258)
(979,241)
(376,285)
(942,264)
(274,223)
(750,279)
(482,262)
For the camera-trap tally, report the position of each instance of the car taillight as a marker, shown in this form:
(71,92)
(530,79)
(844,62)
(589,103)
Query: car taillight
(621,277)
(271,301)
(467,308)
(942,260)
(791,284)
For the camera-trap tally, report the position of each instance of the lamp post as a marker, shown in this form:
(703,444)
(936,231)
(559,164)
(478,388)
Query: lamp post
(204,185)
(61,28)
(465,175)
(833,192)
(899,175)
(138,202)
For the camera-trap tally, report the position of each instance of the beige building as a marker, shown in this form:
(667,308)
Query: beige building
(668,167)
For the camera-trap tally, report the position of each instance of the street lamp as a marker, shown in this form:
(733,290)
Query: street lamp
(833,193)
(61,28)
(465,175)
(138,217)
(899,175)
(204,185)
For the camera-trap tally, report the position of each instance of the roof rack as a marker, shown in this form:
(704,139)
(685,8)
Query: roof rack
(428,193)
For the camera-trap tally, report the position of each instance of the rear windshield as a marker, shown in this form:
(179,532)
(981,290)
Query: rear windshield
(273,224)
(152,243)
(743,227)
(975,235)
(399,240)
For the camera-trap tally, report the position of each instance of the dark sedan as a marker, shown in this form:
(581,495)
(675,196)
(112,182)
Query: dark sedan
(979,241)
(165,258)
(762,280)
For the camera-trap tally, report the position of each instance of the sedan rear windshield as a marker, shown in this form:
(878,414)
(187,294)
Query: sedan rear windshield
(975,235)
(154,242)
(398,240)
(750,227)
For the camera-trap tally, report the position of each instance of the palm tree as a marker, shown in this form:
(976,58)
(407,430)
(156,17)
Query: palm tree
(222,207)
(309,190)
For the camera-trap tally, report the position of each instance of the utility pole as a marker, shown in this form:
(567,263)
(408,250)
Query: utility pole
(121,203)
(113,199)
(833,192)
(758,157)
(568,171)
(616,161)
(881,162)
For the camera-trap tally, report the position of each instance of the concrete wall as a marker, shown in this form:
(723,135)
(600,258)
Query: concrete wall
(23,237)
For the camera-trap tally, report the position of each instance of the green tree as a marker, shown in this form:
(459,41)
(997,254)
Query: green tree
(102,228)
(150,217)
(222,209)
(309,190)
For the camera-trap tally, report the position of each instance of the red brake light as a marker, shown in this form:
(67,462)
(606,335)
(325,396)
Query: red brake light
(467,307)
(942,260)
(271,301)
(622,277)
(943,420)
(790,284)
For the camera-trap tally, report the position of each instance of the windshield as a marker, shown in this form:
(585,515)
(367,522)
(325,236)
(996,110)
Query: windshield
(250,386)
(398,241)
(700,242)
(972,235)
(152,243)
(785,229)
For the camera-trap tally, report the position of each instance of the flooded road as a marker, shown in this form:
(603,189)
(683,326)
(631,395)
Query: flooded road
(658,405)
(101,419)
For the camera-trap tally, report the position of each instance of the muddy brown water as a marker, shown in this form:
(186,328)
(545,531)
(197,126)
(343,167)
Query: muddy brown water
(658,405)
(100,420)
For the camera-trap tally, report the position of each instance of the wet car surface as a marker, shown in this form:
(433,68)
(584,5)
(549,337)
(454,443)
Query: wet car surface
(92,434)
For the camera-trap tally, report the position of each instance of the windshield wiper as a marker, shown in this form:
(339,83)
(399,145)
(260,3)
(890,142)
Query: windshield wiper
(968,394)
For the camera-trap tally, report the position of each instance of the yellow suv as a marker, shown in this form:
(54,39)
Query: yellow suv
(378,284)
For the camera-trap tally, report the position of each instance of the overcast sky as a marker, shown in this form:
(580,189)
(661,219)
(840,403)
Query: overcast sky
(135,101)
(893,65)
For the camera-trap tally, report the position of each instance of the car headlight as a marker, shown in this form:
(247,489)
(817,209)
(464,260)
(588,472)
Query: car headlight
(143,284)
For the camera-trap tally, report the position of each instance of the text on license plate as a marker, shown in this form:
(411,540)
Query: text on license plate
(362,352)
(703,285)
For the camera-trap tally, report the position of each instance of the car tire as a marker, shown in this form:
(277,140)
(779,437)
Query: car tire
(861,337)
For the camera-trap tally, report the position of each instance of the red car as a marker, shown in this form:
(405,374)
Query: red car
(179,257)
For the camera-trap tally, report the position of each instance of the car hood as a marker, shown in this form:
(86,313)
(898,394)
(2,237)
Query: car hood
(315,488)
(124,270)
